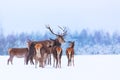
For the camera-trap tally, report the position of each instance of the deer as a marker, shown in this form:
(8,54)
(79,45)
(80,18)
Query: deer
(45,44)
(40,55)
(37,56)
(18,52)
(70,53)
(56,49)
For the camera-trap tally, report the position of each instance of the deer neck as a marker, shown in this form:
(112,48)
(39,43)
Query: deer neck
(57,43)
(72,46)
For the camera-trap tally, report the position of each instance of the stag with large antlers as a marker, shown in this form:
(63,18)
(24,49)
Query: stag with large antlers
(56,48)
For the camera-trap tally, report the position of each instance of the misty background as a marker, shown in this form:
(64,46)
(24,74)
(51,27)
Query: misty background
(92,24)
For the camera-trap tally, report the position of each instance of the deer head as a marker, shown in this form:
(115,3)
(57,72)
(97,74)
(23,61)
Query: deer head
(60,37)
(71,43)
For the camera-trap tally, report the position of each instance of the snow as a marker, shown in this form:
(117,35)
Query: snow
(87,67)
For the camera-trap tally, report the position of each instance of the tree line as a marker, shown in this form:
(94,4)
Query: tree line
(82,40)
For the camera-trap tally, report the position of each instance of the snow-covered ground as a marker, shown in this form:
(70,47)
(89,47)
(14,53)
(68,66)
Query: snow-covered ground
(87,67)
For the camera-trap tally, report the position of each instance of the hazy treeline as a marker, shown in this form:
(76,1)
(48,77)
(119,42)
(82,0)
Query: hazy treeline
(96,42)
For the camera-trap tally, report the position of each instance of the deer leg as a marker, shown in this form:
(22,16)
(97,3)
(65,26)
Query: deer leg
(46,61)
(8,61)
(36,62)
(28,58)
(56,63)
(73,61)
(53,62)
(25,59)
(41,62)
(50,59)
(60,58)
(68,60)
(11,60)
(45,58)
(60,63)
(31,60)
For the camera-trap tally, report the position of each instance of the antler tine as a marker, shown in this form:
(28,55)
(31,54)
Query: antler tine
(64,30)
(48,27)
(61,28)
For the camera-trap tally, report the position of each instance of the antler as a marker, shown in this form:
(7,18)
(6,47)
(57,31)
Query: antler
(64,30)
(48,27)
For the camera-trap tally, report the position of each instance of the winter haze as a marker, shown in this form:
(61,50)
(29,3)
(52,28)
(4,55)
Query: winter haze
(97,53)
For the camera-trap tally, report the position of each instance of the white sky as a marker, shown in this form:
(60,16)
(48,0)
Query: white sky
(31,15)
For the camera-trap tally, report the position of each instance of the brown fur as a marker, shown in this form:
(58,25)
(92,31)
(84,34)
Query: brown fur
(49,46)
(56,48)
(45,45)
(37,56)
(18,52)
(70,54)
(57,54)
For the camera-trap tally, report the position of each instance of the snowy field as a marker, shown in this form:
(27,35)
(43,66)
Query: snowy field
(87,67)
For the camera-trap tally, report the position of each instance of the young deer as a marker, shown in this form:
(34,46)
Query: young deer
(70,53)
(38,56)
(18,52)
